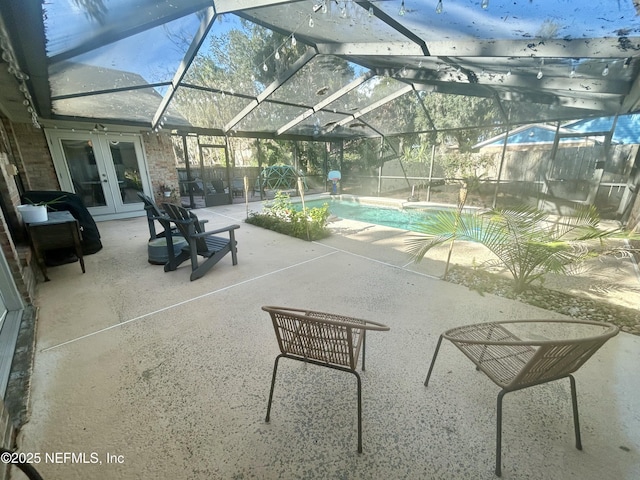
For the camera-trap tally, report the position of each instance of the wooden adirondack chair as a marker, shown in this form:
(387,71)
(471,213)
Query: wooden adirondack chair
(201,242)
(153,215)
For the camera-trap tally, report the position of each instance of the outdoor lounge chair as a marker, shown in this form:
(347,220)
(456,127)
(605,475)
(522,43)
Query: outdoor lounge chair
(323,339)
(201,242)
(520,354)
(153,215)
(157,246)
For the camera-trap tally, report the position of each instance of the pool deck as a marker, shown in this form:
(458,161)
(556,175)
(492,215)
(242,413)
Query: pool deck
(610,280)
(169,378)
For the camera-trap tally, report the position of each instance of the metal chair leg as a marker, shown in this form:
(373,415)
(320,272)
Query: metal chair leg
(273,384)
(359,412)
(576,421)
(499,434)
(364,347)
(359,381)
(433,360)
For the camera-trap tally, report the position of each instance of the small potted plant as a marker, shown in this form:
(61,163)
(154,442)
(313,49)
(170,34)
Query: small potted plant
(166,190)
(35,212)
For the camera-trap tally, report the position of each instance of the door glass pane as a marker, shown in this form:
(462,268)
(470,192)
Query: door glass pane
(81,160)
(125,162)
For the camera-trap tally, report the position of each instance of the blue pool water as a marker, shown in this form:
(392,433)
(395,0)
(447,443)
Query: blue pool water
(405,219)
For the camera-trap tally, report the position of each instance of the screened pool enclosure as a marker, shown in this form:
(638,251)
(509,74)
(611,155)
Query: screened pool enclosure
(402,96)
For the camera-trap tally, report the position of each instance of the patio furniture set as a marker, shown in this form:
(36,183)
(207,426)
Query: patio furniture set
(515,354)
(552,350)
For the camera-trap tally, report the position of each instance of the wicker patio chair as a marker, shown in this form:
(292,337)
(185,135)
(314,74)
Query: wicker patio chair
(323,339)
(201,243)
(554,350)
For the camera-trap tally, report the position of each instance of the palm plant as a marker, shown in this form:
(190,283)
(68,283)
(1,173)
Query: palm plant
(526,241)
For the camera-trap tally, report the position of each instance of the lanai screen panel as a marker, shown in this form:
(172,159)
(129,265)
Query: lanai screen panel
(268,116)
(448,111)
(72,25)
(513,20)
(622,147)
(240,57)
(522,112)
(318,79)
(371,91)
(207,109)
(355,129)
(315,124)
(116,57)
(573,174)
(132,105)
(146,58)
(338,26)
(401,115)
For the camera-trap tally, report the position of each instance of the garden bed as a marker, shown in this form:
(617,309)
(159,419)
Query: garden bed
(627,319)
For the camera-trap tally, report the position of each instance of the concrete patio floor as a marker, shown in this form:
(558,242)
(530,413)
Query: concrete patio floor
(171,377)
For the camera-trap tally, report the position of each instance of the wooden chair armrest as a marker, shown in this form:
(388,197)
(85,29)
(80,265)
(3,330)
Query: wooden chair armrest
(213,232)
(163,219)
(175,220)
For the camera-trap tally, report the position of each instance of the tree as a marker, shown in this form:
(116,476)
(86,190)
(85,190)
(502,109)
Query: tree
(455,116)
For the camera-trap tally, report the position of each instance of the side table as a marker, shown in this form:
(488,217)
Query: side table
(59,231)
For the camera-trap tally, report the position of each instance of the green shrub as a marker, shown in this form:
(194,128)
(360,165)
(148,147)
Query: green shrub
(280,216)
(528,242)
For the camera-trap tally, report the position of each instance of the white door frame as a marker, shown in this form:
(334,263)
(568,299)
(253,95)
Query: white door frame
(115,207)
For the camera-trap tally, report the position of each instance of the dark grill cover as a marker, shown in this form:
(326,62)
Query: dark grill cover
(73,203)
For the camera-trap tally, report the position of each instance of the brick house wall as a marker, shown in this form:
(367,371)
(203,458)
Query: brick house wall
(12,240)
(18,257)
(32,156)
(37,171)
(161,159)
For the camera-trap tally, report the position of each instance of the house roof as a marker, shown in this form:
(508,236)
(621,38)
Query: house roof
(627,127)
(626,132)
(530,136)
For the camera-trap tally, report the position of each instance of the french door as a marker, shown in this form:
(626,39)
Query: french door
(106,171)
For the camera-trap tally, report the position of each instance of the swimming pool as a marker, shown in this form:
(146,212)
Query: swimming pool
(387,215)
